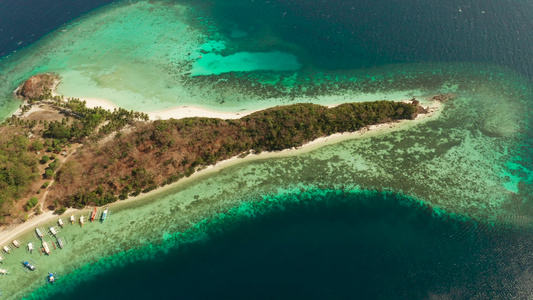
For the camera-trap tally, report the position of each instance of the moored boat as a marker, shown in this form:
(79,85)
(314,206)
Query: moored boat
(16,243)
(81,220)
(104,215)
(93,215)
(30,247)
(60,243)
(39,233)
(1,259)
(50,277)
(72,219)
(7,250)
(60,222)
(45,248)
(53,231)
(28,265)
(3,271)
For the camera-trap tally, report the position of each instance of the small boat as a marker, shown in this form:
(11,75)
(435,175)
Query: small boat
(104,215)
(93,216)
(39,233)
(50,277)
(1,259)
(81,220)
(60,243)
(60,222)
(45,248)
(53,231)
(7,250)
(28,265)
(30,247)
(3,272)
(72,219)
(16,243)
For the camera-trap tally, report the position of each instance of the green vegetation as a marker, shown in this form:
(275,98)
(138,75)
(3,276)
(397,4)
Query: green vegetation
(164,151)
(31,203)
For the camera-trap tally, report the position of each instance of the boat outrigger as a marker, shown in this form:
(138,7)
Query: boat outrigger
(104,215)
(28,265)
(93,215)
(60,222)
(72,219)
(7,250)
(45,248)
(50,277)
(30,247)
(39,233)
(16,243)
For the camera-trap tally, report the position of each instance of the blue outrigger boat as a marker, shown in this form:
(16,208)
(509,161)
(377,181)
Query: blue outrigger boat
(28,265)
(50,277)
(104,215)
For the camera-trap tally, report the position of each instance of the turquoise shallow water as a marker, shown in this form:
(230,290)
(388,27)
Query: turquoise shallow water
(469,167)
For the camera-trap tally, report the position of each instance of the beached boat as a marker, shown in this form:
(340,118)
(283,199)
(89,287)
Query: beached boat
(60,222)
(72,219)
(45,248)
(28,265)
(39,233)
(53,231)
(30,247)
(93,216)
(60,243)
(81,220)
(16,243)
(50,277)
(7,250)
(104,215)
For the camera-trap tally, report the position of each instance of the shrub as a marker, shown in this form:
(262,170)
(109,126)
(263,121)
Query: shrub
(31,203)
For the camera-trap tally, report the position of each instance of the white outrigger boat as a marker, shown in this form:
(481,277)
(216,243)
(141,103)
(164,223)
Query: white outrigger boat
(60,222)
(72,219)
(7,250)
(30,247)
(39,233)
(45,248)
(16,243)
(81,220)
(53,231)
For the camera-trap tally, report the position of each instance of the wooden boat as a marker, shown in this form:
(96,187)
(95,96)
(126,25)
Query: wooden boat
(16,243)
(45,248)
(39,233)
(7,250)
(81,220)
(60,222)
(30,247)
(104,215)
(3,271)
(72,219)
(53,231)
(60,243)
(1,259)
(50,277)
(28,266)
(93,215)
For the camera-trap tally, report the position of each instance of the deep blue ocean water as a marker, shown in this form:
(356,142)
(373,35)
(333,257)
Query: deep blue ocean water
(377,248)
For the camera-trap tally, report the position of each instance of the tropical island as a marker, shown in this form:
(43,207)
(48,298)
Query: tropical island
(58,153)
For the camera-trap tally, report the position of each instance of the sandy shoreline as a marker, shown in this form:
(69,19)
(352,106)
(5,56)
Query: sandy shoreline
(7,234)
